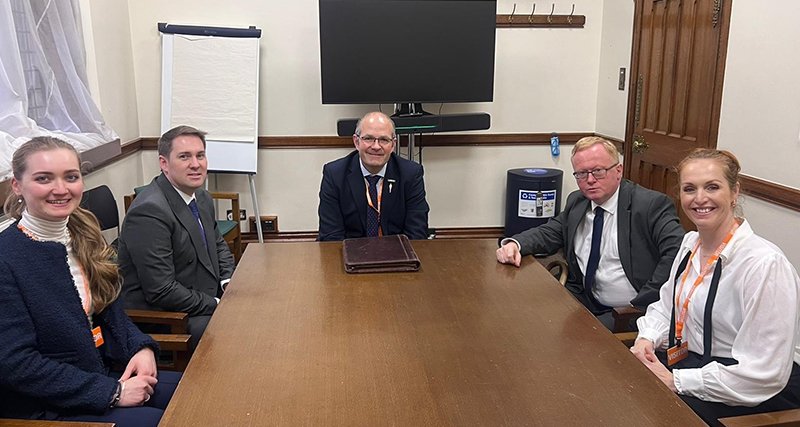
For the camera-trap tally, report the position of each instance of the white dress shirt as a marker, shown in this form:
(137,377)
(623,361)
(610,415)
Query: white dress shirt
(755,321)
(367,173)
(611,285)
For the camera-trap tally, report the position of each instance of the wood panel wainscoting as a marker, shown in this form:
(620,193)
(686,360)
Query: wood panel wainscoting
(778,194)
(435,140)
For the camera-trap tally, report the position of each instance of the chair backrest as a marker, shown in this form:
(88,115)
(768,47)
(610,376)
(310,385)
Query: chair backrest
(100,201)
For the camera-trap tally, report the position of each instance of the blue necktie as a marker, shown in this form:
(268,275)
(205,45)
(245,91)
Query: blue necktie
(373,218)
(196,213)
(594,255)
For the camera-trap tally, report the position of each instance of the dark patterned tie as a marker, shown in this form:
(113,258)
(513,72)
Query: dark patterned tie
(196,213)
(373,218)
(594,255)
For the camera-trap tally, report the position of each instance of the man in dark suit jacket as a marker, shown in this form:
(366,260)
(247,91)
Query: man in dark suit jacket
(372,191)
(172,256)
(638,235)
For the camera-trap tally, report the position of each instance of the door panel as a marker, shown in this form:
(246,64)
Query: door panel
(676,76)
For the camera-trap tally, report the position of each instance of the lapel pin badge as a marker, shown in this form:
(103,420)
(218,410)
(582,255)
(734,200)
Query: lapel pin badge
(391,182)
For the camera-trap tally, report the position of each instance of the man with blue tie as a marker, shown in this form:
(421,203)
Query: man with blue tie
(372,191)
(171,254)
(619,238)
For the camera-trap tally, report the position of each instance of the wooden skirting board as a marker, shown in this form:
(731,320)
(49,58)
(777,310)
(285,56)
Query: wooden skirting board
(441,233)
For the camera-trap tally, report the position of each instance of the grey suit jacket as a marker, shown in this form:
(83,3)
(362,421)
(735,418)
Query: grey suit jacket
(164,264)
(649,235)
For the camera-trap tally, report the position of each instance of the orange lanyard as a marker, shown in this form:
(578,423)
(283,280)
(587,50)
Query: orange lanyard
(679,322)
(380,196)
(83,274)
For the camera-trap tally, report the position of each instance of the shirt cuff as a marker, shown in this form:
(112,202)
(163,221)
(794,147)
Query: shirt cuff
(508,239)
(224,283)
(689,382)
(650,334)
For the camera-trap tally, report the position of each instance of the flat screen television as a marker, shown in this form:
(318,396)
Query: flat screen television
(407,51)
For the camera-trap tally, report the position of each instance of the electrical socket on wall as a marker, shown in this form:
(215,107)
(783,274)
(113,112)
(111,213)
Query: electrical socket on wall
(269,224)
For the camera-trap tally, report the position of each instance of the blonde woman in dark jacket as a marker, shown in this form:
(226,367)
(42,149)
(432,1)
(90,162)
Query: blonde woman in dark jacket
(61,324)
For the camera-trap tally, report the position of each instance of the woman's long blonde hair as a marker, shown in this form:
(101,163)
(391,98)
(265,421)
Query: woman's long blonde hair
(88,244)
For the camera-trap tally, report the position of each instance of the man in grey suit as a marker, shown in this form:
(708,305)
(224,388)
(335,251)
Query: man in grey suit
(172,256)
(619,238)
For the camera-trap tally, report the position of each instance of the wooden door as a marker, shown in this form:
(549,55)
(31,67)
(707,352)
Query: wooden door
(677,65)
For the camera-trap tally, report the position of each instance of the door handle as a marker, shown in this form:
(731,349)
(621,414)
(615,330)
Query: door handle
(639,144)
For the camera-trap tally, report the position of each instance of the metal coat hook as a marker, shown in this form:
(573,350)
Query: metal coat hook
(530,18)
(550,17)
(569,18)
(511,17)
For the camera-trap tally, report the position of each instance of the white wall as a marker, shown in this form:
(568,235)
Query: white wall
(615,53)
(110,40)
(760,117)
(450,174)
(776,224)
(467,187)
(546,80)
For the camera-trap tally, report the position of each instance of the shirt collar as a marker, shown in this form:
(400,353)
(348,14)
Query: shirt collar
(743,232)
(186,198)
(366,173)
(610,205)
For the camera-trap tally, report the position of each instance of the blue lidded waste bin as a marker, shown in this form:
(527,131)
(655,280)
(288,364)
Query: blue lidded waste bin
(533,196)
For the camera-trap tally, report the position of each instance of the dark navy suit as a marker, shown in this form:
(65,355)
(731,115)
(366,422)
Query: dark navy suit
(343,200)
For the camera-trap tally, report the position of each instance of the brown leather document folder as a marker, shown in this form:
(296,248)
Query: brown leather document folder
(384,254)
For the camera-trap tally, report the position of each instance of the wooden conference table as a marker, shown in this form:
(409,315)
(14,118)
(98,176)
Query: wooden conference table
(463,342)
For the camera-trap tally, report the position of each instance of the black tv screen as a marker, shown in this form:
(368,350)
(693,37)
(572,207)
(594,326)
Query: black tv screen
(407,51)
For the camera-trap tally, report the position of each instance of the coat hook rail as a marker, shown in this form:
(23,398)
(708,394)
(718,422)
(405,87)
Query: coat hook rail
(547,20)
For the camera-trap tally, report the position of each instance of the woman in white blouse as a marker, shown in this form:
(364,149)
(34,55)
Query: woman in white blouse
(728,344)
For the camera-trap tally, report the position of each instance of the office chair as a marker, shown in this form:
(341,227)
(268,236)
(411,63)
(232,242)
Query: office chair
(100,201)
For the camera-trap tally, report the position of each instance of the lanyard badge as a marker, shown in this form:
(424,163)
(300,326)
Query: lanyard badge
(677,353)
(97,335)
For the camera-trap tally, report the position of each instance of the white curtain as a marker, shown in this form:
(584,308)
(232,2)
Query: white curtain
(43,83)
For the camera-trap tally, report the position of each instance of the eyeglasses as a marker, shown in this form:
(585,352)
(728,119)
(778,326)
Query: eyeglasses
(597,173)
(371,140)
